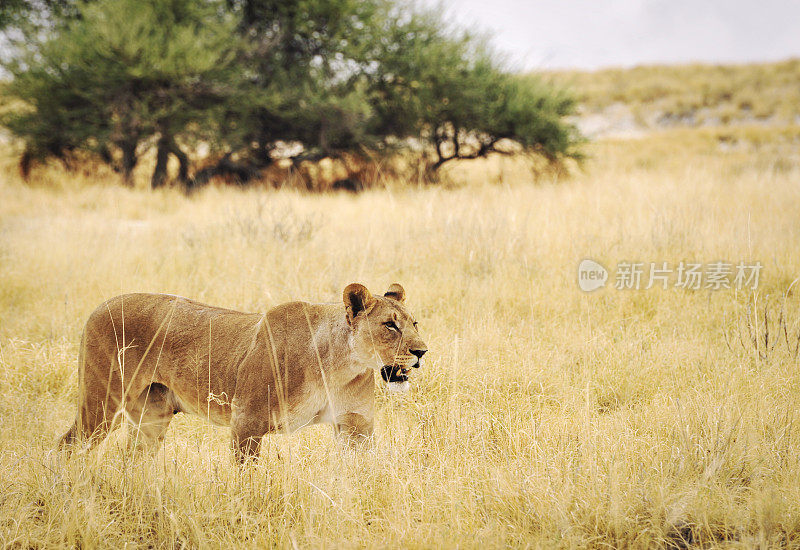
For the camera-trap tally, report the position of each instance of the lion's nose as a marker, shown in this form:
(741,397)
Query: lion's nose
(418,352)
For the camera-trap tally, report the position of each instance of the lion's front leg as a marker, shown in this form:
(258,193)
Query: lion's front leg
(247,430)
(246,448)
(354,430)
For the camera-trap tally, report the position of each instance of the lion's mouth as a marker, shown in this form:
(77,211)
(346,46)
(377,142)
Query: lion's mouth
(396,373)
(391,373)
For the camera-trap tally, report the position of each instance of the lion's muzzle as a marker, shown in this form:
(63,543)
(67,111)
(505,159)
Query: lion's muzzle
(394,373)
(398,373)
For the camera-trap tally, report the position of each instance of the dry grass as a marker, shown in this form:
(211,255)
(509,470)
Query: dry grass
(545,417)
(697,94)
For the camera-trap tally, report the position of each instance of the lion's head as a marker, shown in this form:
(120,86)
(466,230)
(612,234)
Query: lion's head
(384,333)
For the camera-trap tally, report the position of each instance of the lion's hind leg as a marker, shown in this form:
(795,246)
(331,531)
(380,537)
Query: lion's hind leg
(97,417)
(149,416)
(89,429)
(100,396)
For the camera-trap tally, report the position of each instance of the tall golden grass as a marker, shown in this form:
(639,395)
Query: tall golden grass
(545,417)
(701,92)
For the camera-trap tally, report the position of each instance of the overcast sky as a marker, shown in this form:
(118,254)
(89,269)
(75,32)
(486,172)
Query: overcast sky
(601,33)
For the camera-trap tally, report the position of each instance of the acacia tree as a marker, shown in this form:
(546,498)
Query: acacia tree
(447,89)
(124,76)
(22,20)
(303,57)
(119,76)
(347,75)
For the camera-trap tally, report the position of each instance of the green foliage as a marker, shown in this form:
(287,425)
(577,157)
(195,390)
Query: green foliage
(117,76)
(304,58)
(25,17)
(124,72)
(532,114)
(448,89)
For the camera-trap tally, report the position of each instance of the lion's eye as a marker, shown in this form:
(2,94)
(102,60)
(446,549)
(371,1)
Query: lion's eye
(391,326)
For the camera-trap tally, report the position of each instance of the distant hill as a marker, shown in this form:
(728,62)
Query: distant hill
(626,101)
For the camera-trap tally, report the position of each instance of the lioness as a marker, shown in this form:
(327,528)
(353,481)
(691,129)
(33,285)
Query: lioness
(148,357)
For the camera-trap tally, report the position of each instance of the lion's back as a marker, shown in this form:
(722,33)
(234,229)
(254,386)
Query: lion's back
(141,318)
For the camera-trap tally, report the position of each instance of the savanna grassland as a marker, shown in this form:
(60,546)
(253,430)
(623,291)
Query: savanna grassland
(545,416)
(693,94)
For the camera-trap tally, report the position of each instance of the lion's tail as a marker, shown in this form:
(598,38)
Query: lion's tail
(73,433)
(70,437)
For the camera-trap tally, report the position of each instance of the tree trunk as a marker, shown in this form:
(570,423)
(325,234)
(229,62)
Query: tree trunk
(183,163)
(241,172)
(129,161)
(108,158)
(162,156)
(262,156)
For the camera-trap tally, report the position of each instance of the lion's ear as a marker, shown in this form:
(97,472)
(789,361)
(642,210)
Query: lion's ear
(396,292)
(357,299)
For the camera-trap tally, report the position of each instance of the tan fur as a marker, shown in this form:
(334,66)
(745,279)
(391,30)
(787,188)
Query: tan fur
(146,357)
